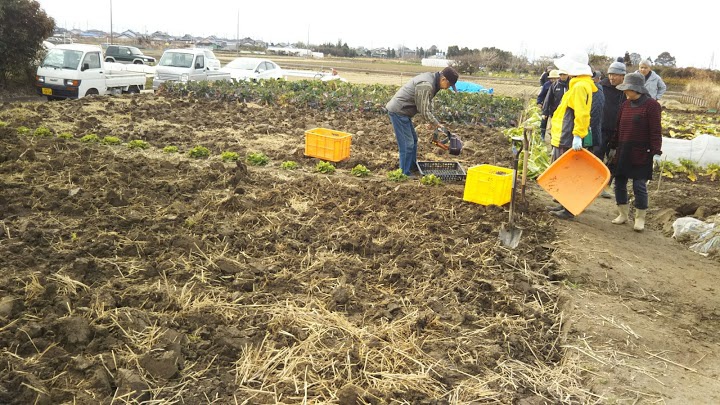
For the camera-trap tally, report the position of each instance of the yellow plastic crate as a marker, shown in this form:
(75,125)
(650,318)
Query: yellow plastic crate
(488,185)
(327,144)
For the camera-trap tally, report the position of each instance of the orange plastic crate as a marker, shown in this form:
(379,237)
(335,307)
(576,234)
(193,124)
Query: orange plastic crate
(488,185)
(327,144)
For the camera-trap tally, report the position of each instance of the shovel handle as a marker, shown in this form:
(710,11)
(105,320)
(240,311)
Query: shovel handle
(517,147)
(526,158)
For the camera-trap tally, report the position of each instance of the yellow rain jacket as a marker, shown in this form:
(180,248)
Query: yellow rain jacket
(572,116)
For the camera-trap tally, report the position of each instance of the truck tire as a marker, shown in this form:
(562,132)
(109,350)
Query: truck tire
(91,92)
(133,90)
(110,59)
(138,62)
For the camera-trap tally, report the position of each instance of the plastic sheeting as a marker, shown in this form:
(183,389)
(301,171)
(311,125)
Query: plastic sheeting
(704,237)
(704,149)
(436,62)
(469,87)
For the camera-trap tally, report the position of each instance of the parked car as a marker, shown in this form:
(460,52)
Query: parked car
(78,70)
(127,54)
(184,65)
(210,59)
(253,69)
(59,40)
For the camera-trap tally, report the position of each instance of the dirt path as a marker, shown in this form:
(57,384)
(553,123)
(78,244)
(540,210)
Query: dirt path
(644,319)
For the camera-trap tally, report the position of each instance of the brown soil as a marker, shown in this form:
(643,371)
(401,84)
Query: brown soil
(138,276)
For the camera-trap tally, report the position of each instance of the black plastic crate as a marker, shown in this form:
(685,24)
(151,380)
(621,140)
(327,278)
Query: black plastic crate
(446,171)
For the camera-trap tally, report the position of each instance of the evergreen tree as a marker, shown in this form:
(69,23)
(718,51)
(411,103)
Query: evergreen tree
(23,27)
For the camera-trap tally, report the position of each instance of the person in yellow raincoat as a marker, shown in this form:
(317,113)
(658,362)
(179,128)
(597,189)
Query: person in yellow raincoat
(571,120)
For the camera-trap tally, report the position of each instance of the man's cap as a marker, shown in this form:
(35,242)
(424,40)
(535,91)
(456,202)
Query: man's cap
(554,74)
(617,68)
(451,75)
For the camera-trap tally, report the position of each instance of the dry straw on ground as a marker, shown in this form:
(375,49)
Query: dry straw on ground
(706,90)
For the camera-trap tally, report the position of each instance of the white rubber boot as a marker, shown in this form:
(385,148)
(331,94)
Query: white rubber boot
(623,211)
(640,220)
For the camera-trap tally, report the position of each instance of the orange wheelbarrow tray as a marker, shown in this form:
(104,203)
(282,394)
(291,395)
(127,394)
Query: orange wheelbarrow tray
(575,179)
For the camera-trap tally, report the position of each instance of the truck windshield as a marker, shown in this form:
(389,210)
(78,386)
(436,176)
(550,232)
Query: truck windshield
(62,59)
(134,51)
(177,59)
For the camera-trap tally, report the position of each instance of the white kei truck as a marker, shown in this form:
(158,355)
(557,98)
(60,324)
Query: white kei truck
(185,65)
(79,70)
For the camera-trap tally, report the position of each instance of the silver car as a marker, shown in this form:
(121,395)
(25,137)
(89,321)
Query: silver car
(253,69)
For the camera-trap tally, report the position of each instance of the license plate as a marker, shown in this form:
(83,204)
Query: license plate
(46,91)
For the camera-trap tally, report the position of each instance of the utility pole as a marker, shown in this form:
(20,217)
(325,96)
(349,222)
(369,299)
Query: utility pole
(237,35)
(111,31)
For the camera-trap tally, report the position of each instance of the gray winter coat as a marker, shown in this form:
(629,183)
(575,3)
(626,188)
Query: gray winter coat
(655,85)
(416,96)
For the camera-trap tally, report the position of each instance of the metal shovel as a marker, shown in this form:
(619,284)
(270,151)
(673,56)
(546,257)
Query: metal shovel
(510,235)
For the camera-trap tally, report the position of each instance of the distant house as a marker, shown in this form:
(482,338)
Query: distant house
(249,42)
(210,42)
(93,34)
(379,53)
(186,39)
(404,52)
(126,36)
(129,34)
(161,37)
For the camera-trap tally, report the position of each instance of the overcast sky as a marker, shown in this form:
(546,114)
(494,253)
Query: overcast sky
(687,30)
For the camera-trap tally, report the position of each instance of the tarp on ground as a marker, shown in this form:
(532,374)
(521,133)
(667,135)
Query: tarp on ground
(469,87)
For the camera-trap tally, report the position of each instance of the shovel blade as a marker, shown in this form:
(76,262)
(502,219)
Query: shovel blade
(510,236)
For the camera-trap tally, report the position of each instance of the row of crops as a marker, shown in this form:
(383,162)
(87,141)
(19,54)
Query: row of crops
(459,108)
